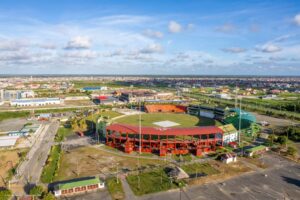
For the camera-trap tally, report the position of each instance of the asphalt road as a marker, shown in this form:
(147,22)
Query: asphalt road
(30,170)
(281,181)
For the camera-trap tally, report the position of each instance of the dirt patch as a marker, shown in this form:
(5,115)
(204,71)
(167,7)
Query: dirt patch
(8,160)
(227,171)
(88,161)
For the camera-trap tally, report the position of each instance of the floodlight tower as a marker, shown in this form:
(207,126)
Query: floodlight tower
(240,120)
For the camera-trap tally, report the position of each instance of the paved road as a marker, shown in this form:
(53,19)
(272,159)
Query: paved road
(281,181)
(30,170)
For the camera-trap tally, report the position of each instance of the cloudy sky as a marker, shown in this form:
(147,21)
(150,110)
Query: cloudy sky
(204,37)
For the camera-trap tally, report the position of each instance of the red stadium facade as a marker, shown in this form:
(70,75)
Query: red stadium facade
(165,108)
(194,140)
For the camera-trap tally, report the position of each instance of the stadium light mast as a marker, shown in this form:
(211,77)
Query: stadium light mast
(140,128)
(240,120)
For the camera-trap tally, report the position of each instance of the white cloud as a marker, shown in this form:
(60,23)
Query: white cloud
(152,48)
(269,48)
(226,28)
(190,26)
(153,34)
(12,45)
(297,19)
(85,54)
(79,42)
(174,27)
(234,50)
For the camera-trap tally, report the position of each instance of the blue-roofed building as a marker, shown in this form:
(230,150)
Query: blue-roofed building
(94,88)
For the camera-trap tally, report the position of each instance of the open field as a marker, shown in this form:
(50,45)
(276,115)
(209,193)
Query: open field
(150,182)
(8,161)
(184,120)
(196,169)
(86,161)
(10,115)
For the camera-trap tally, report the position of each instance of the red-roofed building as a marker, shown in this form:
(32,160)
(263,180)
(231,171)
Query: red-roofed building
(164,140)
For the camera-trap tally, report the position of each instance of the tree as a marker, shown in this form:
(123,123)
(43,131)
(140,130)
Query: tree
(37,191)
(282,140)
(291,151)
(49,196)
(271,138)
(5,194)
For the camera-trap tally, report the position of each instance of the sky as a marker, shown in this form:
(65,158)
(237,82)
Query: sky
(173,37)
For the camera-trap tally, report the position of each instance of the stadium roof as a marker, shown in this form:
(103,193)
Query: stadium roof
(164,131)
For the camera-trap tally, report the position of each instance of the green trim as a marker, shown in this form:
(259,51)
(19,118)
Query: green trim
(257,148)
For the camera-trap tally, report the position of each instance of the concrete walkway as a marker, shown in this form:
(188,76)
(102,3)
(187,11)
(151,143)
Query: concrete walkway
(129,195)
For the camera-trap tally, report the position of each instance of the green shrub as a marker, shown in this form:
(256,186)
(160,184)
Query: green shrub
(5,194)
(37,191)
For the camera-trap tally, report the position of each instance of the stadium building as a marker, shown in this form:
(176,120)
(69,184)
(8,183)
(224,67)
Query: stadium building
(194,140)
(156,108)
(209,112)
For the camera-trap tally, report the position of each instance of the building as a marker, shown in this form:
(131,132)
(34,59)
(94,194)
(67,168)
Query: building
(236,115)
(256,150)
(8,95)
(78,186)
(206,111)
(164,140)
(230,133)
(96,88)
(105,100)
(8,141)
(35,102)
(223,96)
(165,108)
(136,96)
(228,158)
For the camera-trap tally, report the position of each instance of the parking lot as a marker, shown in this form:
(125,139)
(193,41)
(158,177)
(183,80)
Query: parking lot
(280,181)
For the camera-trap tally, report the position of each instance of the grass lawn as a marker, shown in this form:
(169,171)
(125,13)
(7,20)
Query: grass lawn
(110,114)
(115,189)
(199,168)
(184,158)
(150,182)
(184,120)
(9,115)
(51,167)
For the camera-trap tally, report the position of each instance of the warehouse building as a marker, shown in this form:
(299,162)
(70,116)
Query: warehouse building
(35,102)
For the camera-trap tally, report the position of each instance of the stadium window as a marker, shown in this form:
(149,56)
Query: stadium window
(203,137)
(154,137)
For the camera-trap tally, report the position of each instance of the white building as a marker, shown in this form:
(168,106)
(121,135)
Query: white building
(36,102)
(230,133)
(8,141)
(228,158)
(223,96)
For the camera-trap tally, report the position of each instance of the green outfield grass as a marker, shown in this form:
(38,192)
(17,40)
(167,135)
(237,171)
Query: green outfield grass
(184,120)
